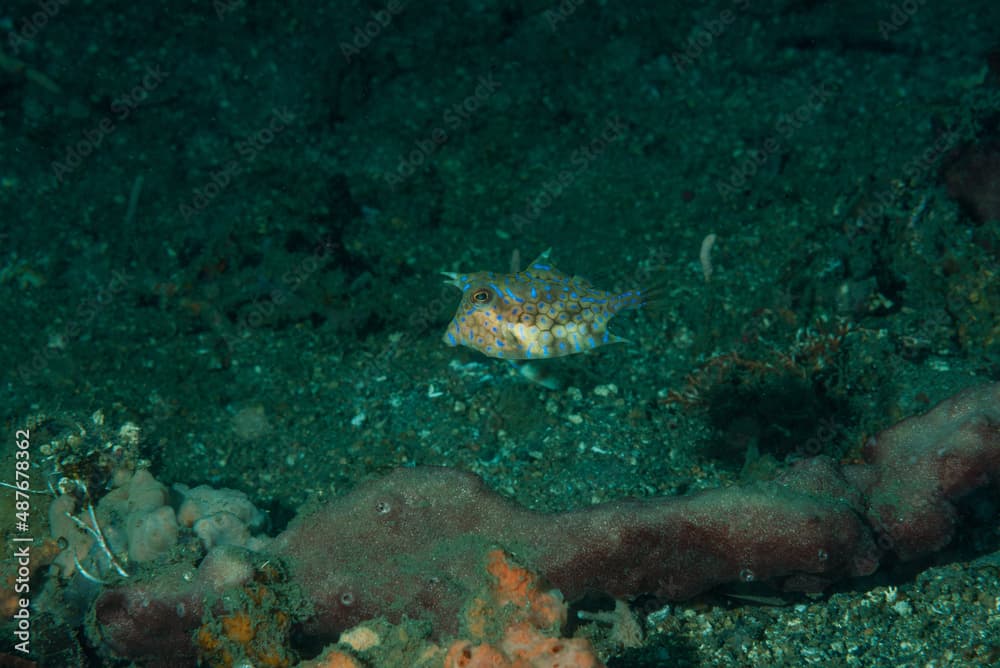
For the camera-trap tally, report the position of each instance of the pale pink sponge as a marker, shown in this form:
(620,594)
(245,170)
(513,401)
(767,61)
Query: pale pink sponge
(917,469)
(413,542)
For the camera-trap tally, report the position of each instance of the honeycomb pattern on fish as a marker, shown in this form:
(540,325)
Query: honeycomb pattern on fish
(534,314)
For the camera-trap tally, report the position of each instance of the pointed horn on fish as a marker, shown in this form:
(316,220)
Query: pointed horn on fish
(453,278)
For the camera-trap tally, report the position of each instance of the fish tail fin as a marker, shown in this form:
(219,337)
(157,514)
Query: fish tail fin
(654,293)
(650,297)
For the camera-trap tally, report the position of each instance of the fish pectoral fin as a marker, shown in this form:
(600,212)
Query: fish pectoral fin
(510,341)
(535,374)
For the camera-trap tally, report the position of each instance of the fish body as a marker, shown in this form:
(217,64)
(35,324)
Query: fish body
(534,314)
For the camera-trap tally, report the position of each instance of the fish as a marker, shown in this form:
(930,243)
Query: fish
(537,313)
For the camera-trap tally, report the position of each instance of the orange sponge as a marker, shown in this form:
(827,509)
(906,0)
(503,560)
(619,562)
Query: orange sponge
(331,659)
(519,586)
(528,647)
(463,654)
(523,620)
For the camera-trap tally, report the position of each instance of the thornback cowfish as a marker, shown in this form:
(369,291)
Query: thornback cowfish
(534,314)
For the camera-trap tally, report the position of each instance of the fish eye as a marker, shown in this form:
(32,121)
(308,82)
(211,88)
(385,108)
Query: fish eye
(481,296)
